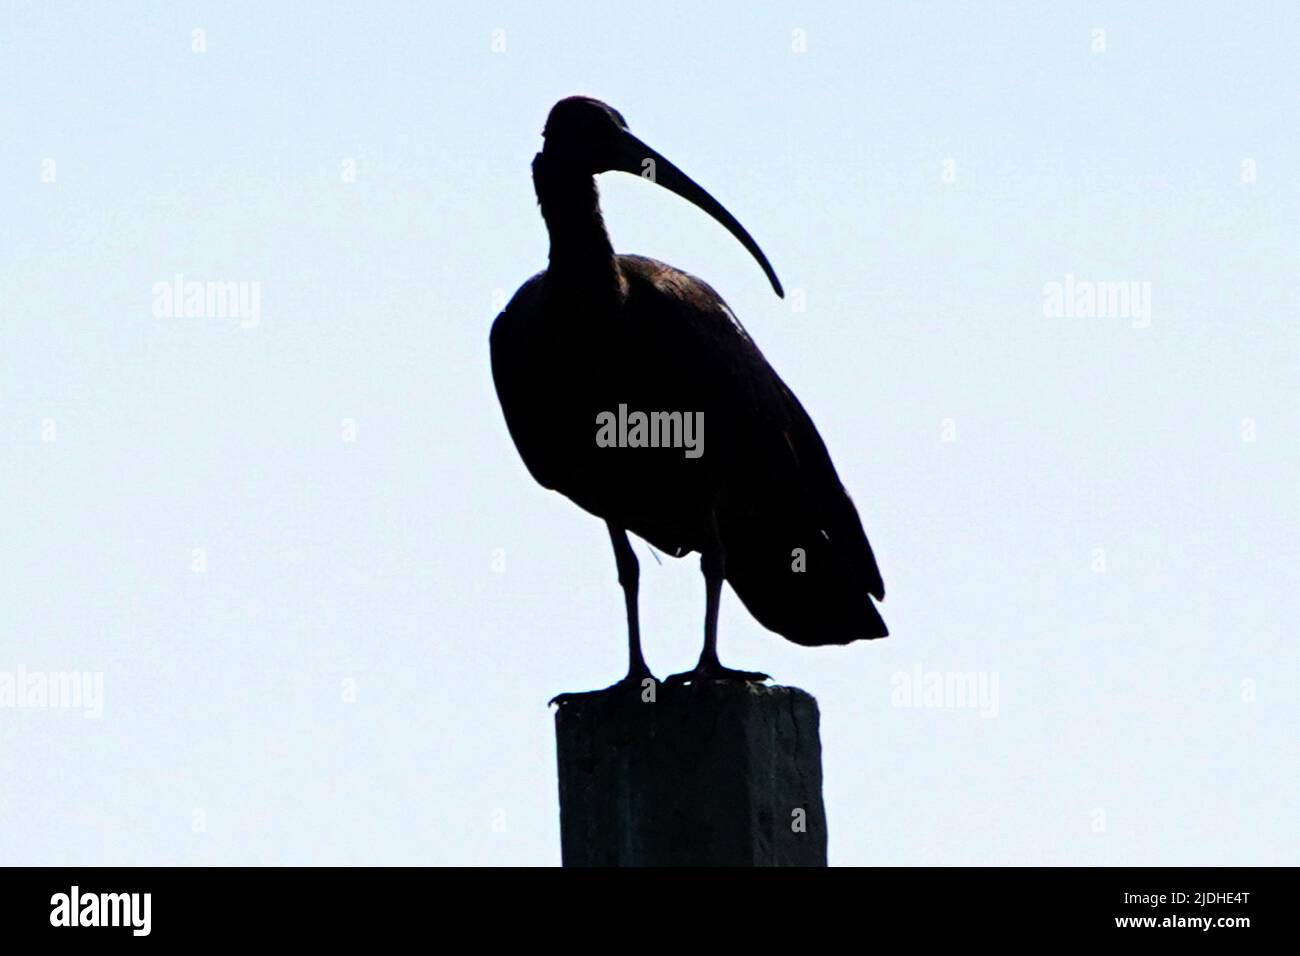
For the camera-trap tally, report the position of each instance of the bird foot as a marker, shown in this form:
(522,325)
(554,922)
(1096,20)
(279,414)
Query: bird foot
(633,683)
(704,673)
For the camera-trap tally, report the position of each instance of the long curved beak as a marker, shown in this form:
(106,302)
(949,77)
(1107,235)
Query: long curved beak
(639,159)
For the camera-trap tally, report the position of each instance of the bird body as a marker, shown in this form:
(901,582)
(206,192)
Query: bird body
(597,334)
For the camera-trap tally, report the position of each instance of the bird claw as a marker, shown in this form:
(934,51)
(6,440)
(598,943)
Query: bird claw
(632,683)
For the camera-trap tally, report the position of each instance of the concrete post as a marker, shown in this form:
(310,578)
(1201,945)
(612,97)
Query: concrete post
(721,774)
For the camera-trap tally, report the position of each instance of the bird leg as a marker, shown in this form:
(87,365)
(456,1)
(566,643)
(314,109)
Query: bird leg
(629,574)
(713,564)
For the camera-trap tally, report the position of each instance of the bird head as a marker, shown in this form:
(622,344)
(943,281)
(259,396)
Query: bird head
(590,137)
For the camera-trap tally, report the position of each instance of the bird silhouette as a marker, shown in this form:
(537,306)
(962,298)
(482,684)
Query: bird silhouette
(631,388)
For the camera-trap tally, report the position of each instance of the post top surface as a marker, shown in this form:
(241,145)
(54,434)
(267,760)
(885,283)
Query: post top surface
(723,693)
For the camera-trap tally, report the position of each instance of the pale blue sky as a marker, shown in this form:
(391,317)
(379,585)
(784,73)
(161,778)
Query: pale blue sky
(1128,729)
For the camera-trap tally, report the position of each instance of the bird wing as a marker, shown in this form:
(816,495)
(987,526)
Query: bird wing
(791,496)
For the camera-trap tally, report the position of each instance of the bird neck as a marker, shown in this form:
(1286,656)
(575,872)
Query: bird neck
(581,253)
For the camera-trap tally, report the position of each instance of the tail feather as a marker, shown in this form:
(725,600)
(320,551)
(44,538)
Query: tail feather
(797,579)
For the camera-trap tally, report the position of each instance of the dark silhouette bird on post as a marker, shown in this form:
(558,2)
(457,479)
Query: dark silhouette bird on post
(631,388)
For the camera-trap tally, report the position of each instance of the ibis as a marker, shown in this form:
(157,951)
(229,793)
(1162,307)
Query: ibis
(631,388)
